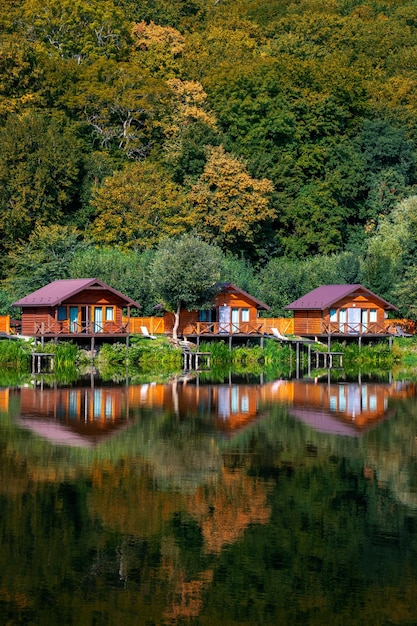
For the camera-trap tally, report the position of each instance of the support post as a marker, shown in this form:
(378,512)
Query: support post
(297,360)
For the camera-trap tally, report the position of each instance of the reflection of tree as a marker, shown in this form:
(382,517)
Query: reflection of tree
(391,455)
(187,596)
(265,538)
(124,499)
(225,509)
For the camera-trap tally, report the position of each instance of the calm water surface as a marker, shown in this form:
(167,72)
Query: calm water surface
(246,502)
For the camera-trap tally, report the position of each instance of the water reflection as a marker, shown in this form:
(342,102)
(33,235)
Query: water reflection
(339,408)
(201,503)
(86,415)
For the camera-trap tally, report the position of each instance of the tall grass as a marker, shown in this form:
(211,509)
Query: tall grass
(15,354)
(156,354)
(377,354)
(67,355)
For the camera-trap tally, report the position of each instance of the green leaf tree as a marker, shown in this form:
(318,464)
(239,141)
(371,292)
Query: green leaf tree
(185,273)
(44,257)
(391,251)
(39,173)
(121,103)
(137,207)
(125,270)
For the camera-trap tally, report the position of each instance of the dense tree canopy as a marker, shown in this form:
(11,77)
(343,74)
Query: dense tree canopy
(278,131)
(138,206)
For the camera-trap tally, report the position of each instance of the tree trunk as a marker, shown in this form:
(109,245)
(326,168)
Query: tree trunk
(176,323)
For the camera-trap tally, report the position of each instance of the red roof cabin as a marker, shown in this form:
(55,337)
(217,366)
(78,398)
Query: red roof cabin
(234,313)
(79,308)
(340,311)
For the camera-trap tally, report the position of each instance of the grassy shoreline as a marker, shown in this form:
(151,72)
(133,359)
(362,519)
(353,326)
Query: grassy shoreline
(160,355)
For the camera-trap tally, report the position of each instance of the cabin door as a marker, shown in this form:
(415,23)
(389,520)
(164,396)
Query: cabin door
(235,320)
(73,316)
(84,319)
(354,320)
(225,316)
(98,319)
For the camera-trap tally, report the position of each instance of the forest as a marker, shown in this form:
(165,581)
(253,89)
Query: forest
(282,133)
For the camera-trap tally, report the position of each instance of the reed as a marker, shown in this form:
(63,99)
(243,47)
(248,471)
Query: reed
(157,354)
(67,354)
(14,353)
(378,354)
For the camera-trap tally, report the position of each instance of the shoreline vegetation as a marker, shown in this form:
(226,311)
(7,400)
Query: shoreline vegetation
(143,358)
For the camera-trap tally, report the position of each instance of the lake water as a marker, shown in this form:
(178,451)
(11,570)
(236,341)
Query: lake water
(245,502)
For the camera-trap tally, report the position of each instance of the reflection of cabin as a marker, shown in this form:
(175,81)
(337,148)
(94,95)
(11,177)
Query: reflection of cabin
(343,409)
(233,312)
(85,415)
(75,308)
(340,311)
(79,416)
(231,407)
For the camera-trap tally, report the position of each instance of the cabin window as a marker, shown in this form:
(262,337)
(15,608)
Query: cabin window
(109,313)
(245,315)
(333,315)
(342,320)
(235,320)
(206,315)
(372,315)
(62,313)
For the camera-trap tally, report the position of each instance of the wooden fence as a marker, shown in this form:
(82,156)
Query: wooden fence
(5,324)
(155,325)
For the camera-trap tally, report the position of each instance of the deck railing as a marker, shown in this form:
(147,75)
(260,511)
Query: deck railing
(371,328)
(156,325)
(76,328)
(223,328)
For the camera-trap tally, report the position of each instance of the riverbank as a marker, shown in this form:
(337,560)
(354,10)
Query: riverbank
(162,356)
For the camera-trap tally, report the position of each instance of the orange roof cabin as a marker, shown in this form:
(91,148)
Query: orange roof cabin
(79,309)
(234,313)
(340,312)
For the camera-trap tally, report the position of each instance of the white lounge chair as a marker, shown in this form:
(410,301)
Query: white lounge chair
(400,332)
(146,334)
(278,335)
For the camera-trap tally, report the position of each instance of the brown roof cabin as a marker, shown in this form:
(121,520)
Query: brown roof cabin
(234,312)
(78,309)
(340,312)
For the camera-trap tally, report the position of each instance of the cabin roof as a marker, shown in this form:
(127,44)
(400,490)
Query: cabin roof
(323,297)
(58,291)
(231,288)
